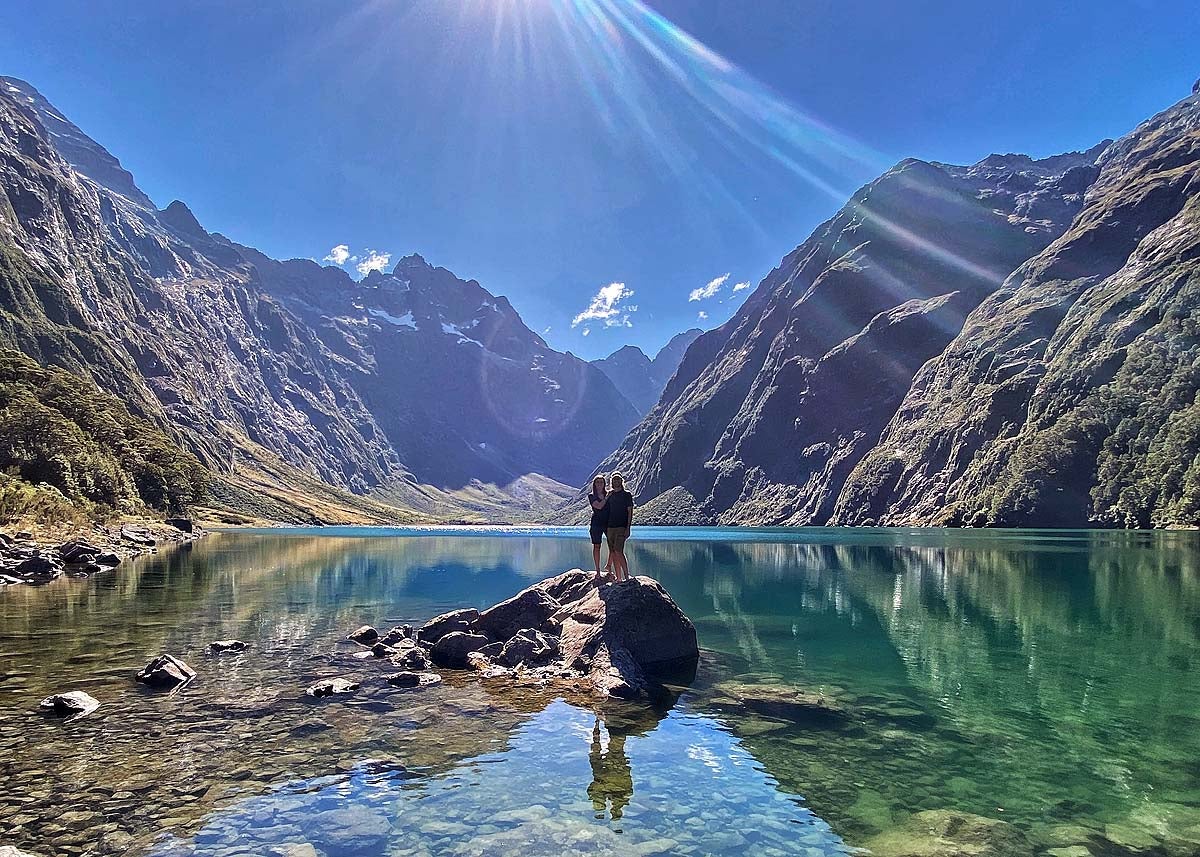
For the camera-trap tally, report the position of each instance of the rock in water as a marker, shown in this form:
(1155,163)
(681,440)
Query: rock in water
(410,658)
(781,701)
(365,635)
(452,650)
(948,833)
(332,687)
(440,626)
(414,679)
(219,646)
(530,647)
(621,637)
(531,608)
(72,704)
(166,672)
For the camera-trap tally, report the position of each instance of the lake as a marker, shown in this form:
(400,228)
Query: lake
(1044,678)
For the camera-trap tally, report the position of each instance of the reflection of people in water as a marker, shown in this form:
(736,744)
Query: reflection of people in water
(612,778)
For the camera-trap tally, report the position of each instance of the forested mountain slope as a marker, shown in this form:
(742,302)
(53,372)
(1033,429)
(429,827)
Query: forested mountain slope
(1010,343)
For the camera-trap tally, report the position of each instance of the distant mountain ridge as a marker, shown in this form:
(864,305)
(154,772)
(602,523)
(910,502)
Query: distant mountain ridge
(1006,343)
(642,379)
(275,373)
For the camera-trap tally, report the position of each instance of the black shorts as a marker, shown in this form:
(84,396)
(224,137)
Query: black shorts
(597,532)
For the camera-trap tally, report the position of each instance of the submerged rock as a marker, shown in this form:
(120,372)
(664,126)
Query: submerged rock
(166,672)
(332,687)
(219,646)
(72,704)
(414,679)
(780,701)
(948,833)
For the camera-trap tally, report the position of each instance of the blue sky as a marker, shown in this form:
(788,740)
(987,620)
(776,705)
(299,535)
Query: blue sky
(554,148)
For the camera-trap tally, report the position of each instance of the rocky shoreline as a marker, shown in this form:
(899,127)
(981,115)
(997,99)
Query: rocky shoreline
(38,558)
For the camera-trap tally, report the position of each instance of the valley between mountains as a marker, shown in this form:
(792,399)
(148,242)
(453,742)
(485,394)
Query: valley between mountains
(1010,343)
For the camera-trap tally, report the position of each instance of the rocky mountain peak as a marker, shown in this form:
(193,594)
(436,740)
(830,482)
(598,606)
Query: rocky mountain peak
(180,218)
(75,147)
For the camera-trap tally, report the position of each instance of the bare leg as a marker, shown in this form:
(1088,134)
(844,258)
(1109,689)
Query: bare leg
(596,558)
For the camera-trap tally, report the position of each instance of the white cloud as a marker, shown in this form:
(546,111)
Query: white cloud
(741,286)
(702,315)
(373,261)
(547,330)
(587,331)
(706,292)
(608,305)
(338,255)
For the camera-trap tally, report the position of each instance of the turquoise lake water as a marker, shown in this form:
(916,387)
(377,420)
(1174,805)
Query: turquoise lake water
(1048,679)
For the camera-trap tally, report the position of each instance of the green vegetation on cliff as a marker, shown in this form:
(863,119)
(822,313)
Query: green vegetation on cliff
(64,443)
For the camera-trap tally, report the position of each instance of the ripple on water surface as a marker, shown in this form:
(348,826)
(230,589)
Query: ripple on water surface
(1043,678)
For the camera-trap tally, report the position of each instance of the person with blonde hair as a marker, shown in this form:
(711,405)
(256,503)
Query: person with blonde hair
(620,522)
(598,500)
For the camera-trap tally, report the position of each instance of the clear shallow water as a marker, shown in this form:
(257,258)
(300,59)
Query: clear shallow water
(1045,678)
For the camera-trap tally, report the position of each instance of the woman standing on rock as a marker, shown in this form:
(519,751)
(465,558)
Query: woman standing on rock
(620,522)
(598,500)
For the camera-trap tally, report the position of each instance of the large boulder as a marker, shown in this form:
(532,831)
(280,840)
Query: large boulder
(451,650)
(637,615)
(166,672)
(623,639)
(440,626)
(948,833)
(531,608)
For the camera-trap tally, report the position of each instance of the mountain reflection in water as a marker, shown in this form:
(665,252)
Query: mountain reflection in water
(1044,678)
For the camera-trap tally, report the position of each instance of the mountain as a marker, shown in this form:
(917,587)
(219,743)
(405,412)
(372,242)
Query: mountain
(1072,395)
(1009,343)
(286,379)
(461,387)
(640,379)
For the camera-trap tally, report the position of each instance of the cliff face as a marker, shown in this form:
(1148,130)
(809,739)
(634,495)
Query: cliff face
(95,281)
(1070,397)
(462,388)
(767,415)
(259,366)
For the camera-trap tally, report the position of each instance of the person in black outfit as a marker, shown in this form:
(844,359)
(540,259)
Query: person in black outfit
(598,500)
(620,522)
